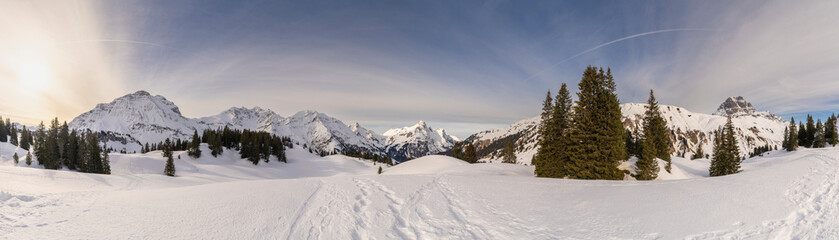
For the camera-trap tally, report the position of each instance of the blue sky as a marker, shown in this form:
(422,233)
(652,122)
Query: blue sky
(461,65)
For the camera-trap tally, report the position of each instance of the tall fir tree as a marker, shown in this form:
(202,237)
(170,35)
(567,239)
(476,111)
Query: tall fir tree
(169,170)
(655,131)
(544,129)
(25,138)
(811,131)
(553,148)
(3,132)
(509,153)
(802,135)
(726,158)
(654,143)
(106,161)
(457,150)
(831,131)
(13,137)
(469,154)
(785,142)
(16,158)
(28,158)
(819,137)
(194,146)
(596,142)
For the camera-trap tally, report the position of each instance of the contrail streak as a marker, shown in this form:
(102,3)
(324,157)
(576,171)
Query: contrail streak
(616,41)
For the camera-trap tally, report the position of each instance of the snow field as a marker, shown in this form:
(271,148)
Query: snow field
(782,195)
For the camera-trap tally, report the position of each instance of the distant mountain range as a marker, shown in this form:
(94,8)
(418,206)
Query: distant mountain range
(138,118)
(128,122)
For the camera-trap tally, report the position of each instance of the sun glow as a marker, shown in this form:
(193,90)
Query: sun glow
(34,75)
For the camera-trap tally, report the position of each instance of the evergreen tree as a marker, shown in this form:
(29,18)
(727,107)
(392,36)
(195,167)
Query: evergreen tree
(552,152)
(194,146)
(792,145)
(457,150)
(802,135)
(656,133)
(94,161)
(106,161)
(811,132)
(62,140)
(819,138)
(25,138)
(380,169)
(726,158)
(469,154)
(170,167)
(72,149)
(785,142)
(544,129)
(3,132)
(16,158)
(167,148)
(509,153)
(28,158)
(831,131)
(596,142)
(13,138)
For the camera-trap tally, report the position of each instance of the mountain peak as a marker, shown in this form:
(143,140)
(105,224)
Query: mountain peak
(735,106)
(141,93)
(421,124)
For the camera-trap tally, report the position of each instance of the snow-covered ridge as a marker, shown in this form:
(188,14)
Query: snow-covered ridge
(139,118)
(417,141)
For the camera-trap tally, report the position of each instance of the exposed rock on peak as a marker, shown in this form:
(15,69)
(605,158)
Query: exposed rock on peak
(735,106)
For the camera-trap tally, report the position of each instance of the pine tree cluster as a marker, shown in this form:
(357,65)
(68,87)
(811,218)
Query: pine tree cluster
(58,146)
(811,135)
(584,140)
(759,151)
(726,158)
(376,158)
(466,153)
(252,145)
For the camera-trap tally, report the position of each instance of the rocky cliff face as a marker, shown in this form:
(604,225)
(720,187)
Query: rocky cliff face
(735,106)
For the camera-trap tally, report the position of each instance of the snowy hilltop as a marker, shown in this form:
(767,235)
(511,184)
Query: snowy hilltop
(688,130)
(130,121)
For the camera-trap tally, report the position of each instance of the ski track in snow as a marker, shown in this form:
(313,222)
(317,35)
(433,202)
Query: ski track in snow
(817,214)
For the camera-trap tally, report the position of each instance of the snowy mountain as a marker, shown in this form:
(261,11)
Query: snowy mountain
(138,118)
(416,141)
(688,130)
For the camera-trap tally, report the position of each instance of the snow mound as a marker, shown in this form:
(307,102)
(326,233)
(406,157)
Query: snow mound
(432,164)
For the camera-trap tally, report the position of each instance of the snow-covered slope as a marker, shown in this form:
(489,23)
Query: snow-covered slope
(780,196)
(688,130)
(132,120)
(416,141)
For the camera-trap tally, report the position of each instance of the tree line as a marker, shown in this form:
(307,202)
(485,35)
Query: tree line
(811,135)
(58,146)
